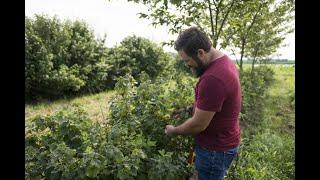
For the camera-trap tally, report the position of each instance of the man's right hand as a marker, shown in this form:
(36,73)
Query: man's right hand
(170,130)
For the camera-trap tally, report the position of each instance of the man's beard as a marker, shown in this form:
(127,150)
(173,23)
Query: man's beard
(197,71)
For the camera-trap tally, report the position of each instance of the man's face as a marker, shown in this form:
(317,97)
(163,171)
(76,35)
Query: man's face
(194,63)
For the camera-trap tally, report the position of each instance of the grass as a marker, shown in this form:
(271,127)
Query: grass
(269,154)
(281,110)
(95,105)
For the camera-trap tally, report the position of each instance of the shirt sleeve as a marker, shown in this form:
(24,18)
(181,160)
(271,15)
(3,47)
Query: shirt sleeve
(211,94)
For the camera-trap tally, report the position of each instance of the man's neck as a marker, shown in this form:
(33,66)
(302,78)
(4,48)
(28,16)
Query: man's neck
(213,55)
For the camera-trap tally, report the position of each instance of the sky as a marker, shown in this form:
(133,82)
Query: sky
(118,19)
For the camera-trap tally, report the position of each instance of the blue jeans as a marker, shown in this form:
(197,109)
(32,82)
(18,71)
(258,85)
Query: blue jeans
(212,165)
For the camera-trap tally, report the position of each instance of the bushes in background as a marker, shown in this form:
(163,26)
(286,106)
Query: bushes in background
(135,55)
(64,59)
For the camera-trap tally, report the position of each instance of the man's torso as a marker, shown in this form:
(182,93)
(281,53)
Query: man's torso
(220,82)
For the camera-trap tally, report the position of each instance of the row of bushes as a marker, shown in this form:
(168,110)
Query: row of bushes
(130,144)
(64,58)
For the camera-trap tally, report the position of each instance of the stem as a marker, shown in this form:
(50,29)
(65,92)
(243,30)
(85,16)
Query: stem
(243,40)
(211,20)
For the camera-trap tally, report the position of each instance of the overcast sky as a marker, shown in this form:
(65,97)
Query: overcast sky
(117,19)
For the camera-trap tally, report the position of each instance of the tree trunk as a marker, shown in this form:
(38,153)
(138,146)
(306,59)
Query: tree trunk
(243,42)
(252,65)
(254,58)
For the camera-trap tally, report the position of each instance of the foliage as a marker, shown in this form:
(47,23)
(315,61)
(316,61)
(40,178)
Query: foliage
(180,66)
(210,16)
(135,55)
(68,145)
(62,58)
(250,28)
(254,86)
(257,28)
(266,156)
(269,152)
(292,98)
(132,145)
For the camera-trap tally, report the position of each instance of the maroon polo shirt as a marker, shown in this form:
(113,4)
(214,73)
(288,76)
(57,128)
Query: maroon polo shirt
(219,90)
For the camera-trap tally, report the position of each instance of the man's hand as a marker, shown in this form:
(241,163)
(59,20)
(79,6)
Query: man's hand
(170,130)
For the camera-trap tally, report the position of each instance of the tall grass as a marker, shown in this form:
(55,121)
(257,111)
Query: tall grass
(270,153)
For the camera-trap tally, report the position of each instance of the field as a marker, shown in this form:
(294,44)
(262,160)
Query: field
(95,105)
(268,154)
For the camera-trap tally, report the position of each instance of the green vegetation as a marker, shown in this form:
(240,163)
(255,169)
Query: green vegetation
(63,59)
(114,103)
(249,29)
(269,153)
(136,146)
(129,145)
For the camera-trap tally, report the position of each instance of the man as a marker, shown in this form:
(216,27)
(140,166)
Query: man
(215,120)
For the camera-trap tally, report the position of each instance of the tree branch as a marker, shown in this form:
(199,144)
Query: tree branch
(235,56)
(224,19)
(211,20)
(214,3)
(254,57)
(230,36)
(254,19)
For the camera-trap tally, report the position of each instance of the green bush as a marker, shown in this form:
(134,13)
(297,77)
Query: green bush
(68,145)
(62,58)
(131,145)
(135,55)
(180,66)
(254,86)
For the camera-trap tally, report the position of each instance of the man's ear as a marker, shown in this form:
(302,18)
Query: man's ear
(201,53)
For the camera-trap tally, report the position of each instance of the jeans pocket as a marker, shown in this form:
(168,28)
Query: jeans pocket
(229,156)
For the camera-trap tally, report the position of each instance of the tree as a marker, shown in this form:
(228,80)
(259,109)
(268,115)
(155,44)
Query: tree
(230,23)
(257,29)
(210,16)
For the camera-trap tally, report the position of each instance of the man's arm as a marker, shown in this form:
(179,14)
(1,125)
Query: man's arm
(199,122)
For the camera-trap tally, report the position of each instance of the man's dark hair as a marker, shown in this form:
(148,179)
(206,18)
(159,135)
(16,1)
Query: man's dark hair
(192,39)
